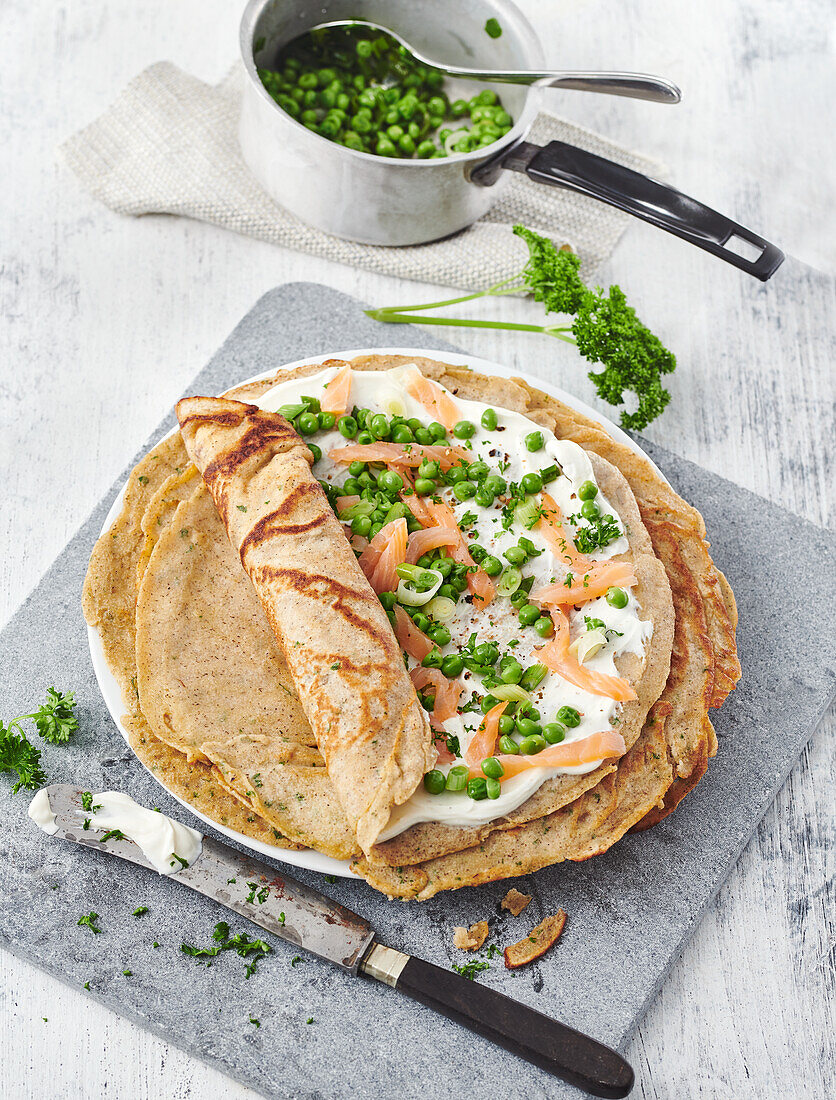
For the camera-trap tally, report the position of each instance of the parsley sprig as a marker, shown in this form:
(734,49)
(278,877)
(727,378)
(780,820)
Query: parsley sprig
(54,721)
(604,328)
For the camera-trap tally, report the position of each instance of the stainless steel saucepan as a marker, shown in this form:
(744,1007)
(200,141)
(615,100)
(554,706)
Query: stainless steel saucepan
(378,200)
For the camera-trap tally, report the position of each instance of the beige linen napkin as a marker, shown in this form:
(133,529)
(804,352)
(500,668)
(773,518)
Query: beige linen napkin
(169,145)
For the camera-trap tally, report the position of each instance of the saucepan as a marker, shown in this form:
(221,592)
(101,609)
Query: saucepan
(362,197)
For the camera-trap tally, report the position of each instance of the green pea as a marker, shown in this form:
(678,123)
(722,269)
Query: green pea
(406,143)
(364,48)
(445,566)
(429,469)
(464,429)
(544,626)
(477,471)
(379,426)
(307,423)
(553,733)
(617,597)
(439,634)
(452,666)
(534,441)
(529,614)
(425,150)
(326,421)
(490,420)
(421,620)
(528,727)
(395,132)
(464,490)
(351,487)
(487,653)
(530,746)
(477,552)
(367,480)
(457,778)
(506,724)
(356,467)
(492,566)
(433,659)
(515,555)
(569,717)
(390,481)
(385,147)
(531,483)
(495,484)
(436,430)
(519,598)
(493,788)
(508,746)
(512,672)
(365,438)
(454,474)
(588,490)
(590,510)
(422,436)
(477,789)
(435,781)
(492,768)
(424,487)
(487,702)
(361,525)
(459,108)
(402,434)
(448,591)
(483,498)
(315,451)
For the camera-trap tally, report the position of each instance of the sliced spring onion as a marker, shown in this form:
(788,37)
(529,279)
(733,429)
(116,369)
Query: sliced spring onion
(441,608)
(454,139)
(528,512)
(417,586)
(510,581)
(394,406)
(588,644)
(512,692)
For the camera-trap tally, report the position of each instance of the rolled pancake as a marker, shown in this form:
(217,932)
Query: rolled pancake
(214,685)
(331,627)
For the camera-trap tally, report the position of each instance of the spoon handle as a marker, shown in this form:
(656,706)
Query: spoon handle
(655,89)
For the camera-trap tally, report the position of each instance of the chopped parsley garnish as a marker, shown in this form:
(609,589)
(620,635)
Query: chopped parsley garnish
(112,834)
(139,911)
(295,960)
(255,1022)
(596,534)
(89,919)
(470,969)
(453,746)
(252,950)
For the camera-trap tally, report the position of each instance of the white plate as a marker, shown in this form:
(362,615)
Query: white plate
(315,861)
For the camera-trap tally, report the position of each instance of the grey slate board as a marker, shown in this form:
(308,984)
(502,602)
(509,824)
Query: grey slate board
(630,911)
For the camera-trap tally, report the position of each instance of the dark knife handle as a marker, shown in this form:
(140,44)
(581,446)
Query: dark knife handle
(552,1046)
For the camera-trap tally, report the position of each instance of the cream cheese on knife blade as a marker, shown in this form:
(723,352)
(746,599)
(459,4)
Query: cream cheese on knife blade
(165,843)
(505,451)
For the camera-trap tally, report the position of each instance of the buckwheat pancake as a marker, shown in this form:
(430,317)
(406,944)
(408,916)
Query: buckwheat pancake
(567,817)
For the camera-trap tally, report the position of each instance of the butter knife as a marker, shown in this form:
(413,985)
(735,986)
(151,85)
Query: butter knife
(307,919)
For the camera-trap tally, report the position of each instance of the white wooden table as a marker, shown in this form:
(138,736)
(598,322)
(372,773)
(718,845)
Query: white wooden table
(105,319)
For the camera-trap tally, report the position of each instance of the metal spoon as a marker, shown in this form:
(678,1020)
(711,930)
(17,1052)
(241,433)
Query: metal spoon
(631,85)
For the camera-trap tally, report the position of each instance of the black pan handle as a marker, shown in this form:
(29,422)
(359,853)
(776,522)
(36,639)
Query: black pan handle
(552,1046)
(562,165)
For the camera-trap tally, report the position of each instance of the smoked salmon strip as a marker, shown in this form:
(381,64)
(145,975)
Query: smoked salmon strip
(429,538)
(434,398)
(411,640)
(556,656)
(447,692)
(584,587)
(397,455)
(550,526)
(606,745)
(484,741)
(335,397)
(384,578)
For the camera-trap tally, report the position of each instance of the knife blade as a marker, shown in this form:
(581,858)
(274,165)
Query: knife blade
(308,919)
